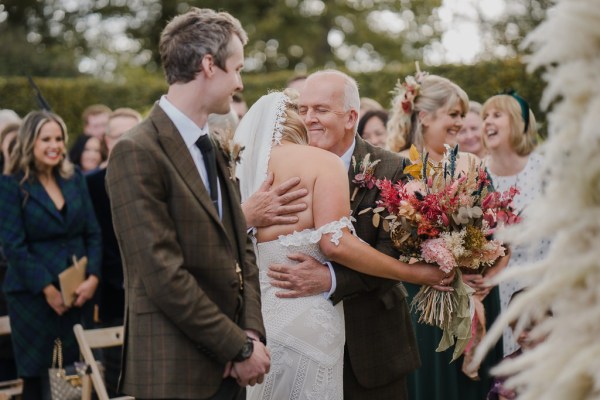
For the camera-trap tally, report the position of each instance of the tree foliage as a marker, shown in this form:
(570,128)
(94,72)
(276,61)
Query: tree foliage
(503,34)
(100,35)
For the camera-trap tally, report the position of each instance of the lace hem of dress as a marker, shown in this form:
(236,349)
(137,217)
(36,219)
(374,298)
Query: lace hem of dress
(314,235)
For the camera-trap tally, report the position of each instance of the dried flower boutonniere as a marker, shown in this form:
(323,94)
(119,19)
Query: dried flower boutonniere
(232,150)
(364,174)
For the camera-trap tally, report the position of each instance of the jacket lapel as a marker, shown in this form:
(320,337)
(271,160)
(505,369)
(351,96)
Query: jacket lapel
(229,190)
(356,192)
(176,150)
(38,193)
(70,191)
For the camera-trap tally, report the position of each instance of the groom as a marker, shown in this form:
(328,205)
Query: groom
(380,342)
(193,323)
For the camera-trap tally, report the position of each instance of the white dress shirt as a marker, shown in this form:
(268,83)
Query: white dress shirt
(190,132)
(347,159)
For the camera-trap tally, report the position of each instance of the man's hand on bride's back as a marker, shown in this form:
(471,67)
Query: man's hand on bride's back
(271,205)
(307,278)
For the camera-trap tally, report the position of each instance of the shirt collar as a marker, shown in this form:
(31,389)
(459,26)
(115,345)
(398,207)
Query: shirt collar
(189,131)
(347,156)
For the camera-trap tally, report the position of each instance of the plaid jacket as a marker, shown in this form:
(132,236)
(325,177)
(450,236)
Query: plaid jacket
(39,243)
(380,338)
(181,287)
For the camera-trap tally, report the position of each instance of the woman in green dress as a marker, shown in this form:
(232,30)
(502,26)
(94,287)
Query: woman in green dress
(428,112)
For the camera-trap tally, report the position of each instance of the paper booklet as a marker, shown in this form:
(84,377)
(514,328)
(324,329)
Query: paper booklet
(71,278)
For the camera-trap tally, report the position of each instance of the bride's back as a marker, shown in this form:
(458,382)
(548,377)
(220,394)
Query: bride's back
(290,160)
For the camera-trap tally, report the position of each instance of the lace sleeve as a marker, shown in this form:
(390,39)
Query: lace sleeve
(314,235)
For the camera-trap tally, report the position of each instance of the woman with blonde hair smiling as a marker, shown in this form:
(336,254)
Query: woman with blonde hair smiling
(47,219)
(510,136)
(428,112)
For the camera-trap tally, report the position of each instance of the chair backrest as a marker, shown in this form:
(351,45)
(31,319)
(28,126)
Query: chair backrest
(14,387)
(89,339)
(4,325)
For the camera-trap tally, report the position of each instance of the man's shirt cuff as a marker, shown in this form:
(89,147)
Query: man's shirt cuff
(333,281)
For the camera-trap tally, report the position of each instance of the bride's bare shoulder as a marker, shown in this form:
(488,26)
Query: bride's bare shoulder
(310,155)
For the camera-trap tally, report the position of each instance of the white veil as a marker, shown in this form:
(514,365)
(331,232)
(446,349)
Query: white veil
(260,127)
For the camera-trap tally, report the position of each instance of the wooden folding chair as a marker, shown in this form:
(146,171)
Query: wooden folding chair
(89,339)
(11,388)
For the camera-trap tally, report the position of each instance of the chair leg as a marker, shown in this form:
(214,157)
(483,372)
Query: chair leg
(86,388)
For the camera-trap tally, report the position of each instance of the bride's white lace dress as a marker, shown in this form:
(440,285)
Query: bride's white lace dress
(305,335)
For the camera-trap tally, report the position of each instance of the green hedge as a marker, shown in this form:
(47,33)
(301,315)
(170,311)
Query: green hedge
(69,97)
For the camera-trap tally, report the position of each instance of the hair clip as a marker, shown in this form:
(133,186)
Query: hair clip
(523,104)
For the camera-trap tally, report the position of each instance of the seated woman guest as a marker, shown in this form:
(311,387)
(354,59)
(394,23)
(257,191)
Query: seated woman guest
(47,218)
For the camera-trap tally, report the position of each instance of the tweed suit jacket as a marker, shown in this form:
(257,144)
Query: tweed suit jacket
(185,310)
(380,339)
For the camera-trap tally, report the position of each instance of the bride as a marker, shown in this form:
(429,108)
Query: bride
(305,335)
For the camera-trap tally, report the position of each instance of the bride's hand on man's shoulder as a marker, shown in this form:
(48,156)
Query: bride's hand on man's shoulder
(271,205)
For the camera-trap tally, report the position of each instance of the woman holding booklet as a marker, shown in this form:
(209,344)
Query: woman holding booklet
(47,222)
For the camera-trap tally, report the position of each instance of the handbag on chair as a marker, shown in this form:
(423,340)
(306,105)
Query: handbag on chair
(64,384)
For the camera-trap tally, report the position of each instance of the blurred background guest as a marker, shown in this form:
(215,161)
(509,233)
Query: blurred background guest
(368,104)
(296,82)
(95,118)
(9,127)
(8,117)
(223,125)
(510,135)
(238,105)
(470,137)
(111,293)
(8,138)
(93,154)
(47,218)
(372,127)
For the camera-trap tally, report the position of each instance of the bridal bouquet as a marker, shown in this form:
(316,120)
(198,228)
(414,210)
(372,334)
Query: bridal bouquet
(446,218)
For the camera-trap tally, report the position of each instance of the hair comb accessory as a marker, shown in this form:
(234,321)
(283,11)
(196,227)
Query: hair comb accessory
(523,104)
(407,91)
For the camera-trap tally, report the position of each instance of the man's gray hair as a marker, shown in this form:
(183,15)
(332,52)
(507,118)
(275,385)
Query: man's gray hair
(351,95)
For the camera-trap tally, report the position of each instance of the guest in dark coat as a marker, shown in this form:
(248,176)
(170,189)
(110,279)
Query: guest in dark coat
(111,290)
(8,137)
(95,118)
(47,218)
(112,293)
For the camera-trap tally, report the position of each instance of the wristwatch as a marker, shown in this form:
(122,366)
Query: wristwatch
(245,352)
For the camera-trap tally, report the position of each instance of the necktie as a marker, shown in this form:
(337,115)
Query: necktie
(210,162)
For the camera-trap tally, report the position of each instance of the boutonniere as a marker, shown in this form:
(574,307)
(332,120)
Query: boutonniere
(232,150)
(364,174)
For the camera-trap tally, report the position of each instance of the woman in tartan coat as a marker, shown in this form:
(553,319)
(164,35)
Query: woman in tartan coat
(47,217)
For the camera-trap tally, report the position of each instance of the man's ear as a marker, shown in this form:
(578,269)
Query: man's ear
(207,65)
(352,119)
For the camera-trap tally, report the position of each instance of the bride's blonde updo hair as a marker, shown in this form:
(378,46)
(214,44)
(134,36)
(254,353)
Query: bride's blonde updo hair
(422,92)
(293,128)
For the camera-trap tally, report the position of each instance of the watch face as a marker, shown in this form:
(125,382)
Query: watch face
(246,351)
